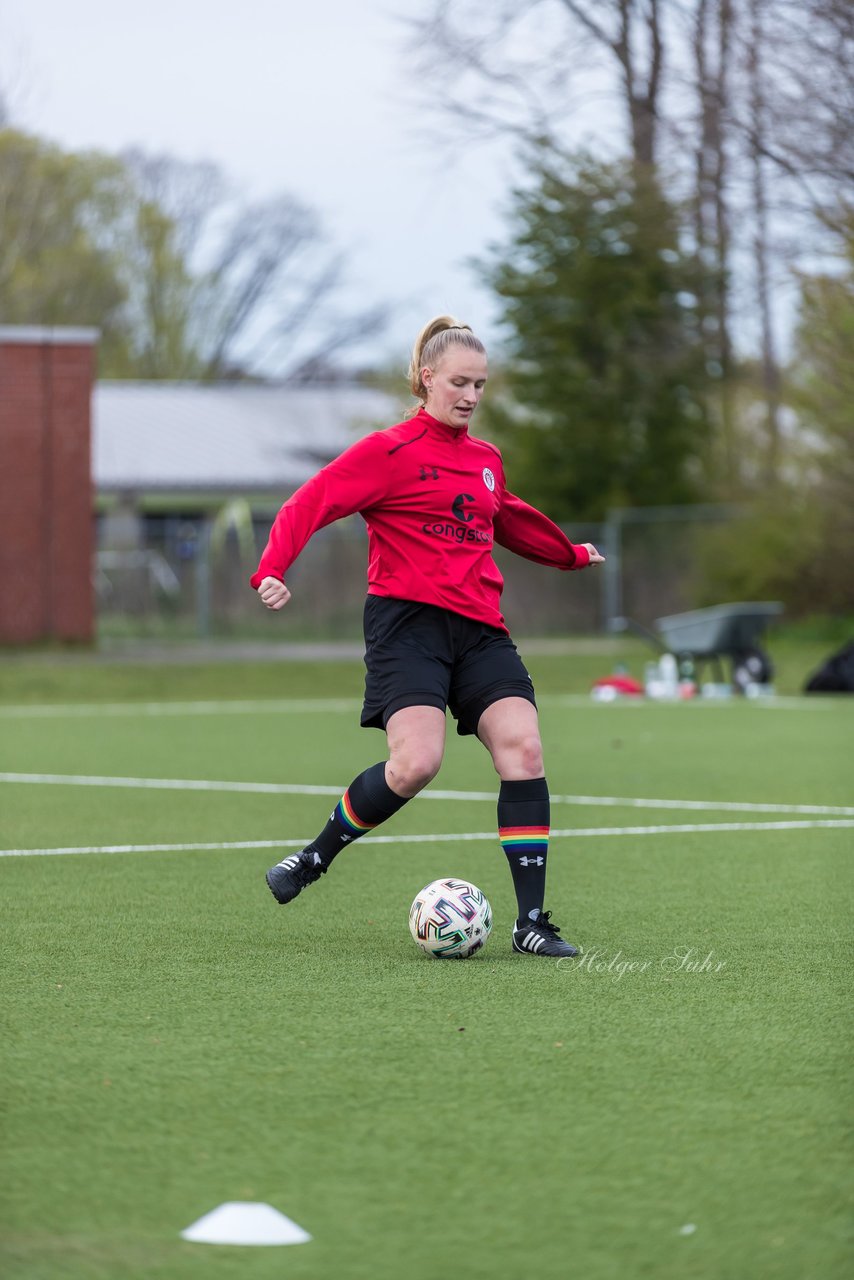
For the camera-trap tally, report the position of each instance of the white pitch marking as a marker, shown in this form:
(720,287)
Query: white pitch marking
(296,789)
(710,806)
(202,708)
(170,784)
(572,833)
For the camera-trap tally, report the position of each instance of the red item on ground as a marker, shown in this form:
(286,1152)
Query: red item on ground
(623,684)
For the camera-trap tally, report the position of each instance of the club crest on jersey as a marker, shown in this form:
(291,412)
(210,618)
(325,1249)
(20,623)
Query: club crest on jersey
(489,479)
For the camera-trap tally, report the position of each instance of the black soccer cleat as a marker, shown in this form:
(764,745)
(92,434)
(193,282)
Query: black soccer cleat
(290,876)
(540,938)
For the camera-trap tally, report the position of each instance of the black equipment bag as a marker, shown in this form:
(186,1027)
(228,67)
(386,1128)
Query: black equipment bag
(837,674)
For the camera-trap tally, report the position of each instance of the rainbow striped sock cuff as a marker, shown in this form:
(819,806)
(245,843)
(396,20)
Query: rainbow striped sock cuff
(348,817)
(527,840)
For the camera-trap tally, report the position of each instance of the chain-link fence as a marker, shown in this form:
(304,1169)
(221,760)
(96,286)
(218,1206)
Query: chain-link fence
(656,559)
(188,574)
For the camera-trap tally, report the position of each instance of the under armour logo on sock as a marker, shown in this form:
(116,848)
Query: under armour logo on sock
(531,862)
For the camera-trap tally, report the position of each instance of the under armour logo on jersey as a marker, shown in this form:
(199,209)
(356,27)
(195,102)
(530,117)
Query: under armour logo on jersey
(428,472)
(531,862)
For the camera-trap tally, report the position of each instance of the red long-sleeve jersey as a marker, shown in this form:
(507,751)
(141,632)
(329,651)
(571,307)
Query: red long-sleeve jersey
(434,499)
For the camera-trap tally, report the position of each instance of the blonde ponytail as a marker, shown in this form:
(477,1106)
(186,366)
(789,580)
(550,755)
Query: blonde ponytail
(431,344)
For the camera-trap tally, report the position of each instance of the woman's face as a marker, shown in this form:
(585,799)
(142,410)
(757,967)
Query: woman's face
(455,385)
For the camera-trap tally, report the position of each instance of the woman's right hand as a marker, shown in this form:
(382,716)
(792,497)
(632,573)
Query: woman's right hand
(274,593)
(595,556)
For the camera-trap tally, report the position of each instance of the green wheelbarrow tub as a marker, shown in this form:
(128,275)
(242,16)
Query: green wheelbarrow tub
(723,629)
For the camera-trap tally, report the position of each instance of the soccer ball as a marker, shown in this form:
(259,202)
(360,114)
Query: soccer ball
(450,919)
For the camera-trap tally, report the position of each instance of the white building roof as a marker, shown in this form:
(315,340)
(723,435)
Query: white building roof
(176,436)
(47,335)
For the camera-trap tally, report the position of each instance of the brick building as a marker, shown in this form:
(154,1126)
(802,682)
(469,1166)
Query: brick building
(46,525)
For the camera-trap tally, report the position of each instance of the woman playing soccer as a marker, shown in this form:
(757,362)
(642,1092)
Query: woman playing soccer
(434,500)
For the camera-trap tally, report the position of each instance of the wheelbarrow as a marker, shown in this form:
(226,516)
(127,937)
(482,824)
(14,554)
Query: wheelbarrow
(703,636)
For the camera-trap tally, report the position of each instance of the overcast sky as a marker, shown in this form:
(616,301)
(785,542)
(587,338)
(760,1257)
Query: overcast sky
(314,97)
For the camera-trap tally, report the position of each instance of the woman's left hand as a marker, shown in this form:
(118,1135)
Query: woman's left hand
(595,557)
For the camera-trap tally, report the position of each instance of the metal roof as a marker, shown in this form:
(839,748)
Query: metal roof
(177,436)
(51,335)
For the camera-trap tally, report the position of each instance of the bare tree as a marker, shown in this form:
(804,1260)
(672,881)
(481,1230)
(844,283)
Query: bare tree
(188,192)
(806,52)
(711,47)
(631,31)
(225,286)
(762,243)
(790,122)
(748,109)
(520,68)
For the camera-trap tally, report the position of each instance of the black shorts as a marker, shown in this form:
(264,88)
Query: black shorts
(418,655)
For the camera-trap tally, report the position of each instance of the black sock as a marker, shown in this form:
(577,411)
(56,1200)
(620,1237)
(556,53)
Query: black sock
(367,802)
(523,829)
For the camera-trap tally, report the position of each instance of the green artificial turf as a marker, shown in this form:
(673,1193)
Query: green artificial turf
(174,1040)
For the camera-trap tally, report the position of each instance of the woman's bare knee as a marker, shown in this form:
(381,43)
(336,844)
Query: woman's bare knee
(519,758)
(530,756)
(408,772)
(510,731)
(416,744)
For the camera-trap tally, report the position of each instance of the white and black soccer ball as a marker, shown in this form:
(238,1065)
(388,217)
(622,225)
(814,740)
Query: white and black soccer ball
(450,919)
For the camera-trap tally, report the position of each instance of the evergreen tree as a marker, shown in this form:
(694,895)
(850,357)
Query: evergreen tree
(603,398)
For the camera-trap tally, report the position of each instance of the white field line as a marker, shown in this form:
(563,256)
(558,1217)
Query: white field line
(303,706)
(248,707)
(296,789)
(446,837)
